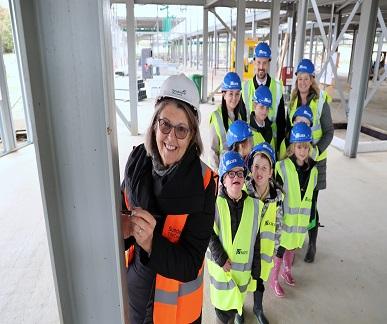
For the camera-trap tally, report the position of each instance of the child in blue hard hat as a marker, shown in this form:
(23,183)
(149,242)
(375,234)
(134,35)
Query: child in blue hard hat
(306,92)
(298,176)
(231,109)
(261,185)
(239,138)
(233,258)
(259,121)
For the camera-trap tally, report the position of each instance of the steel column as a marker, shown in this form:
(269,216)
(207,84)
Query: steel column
(74,125)
(311,41)
(302,12)
(240,37)
(133,90)
(359,84)
(274,31)
(205,55)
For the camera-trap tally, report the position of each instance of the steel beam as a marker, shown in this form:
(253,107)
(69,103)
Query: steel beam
(74,125)
(359,85)
(274,31)
(223,23)
(205,55)
(240,37)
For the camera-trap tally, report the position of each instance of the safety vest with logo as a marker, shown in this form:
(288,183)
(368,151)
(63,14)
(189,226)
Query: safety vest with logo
(228,289)
(177,302)
(217,120)
(267,236)
(316,106)
(296,210)
(275,87)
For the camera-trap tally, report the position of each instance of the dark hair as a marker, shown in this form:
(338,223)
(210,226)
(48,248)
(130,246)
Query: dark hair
(193,123)
(239,112)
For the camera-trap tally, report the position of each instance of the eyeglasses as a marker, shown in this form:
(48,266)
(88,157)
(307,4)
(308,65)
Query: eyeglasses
(165,127)
(239,174)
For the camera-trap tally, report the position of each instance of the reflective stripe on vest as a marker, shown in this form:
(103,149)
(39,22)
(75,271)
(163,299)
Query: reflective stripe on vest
(316,106)
(267,236)
(178,302)
(296,211)
(228,289)
(217,120)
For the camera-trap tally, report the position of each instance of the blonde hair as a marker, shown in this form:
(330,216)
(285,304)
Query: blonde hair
(314,88)
(193,123)
(290,149)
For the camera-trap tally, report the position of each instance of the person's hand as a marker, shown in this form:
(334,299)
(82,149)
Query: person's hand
(227,266)
(143,226)
(126,225)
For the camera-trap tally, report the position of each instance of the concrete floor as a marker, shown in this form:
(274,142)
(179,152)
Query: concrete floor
(346,284)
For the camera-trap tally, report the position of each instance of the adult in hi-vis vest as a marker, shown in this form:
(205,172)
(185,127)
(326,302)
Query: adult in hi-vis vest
(233,258)
(231,109)
(260,185)
(262,58)
(298,176)
(168,202)
(260,123)
(307,92)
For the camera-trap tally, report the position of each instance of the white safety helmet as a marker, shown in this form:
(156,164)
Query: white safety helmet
(182,88)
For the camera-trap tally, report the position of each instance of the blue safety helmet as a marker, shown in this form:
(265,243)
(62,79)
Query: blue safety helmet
(263,96)
(228,161)
(238,131)
(305,66)
(304,111)
(264,148)
(231,81)
(262,50)
(300,133)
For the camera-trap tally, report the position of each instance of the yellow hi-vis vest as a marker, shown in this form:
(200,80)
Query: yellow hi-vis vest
(276,89)
(267,236)
(296,211)
(217,120)
(258,138)
(228,289)
(316,106)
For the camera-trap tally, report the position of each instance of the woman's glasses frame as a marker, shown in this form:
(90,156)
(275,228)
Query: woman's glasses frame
(165,127)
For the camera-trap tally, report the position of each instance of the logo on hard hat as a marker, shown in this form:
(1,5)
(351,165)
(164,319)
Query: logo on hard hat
(303,67)
(233,83)
(307,113)
(230,162)
(262,52)
(299,135)
(179,92)
(267,100)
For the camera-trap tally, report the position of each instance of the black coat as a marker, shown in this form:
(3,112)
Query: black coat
(179,191)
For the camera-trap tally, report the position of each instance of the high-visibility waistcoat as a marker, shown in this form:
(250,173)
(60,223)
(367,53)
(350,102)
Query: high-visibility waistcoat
(276,89)
(267,236)
(217,120)
(258,138)
(296,210)
(178,302)
(316,106)
(228,289)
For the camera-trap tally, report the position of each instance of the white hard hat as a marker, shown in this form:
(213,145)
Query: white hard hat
(182,88)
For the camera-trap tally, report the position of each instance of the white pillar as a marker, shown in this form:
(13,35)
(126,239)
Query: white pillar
(240,39)
(205,55)
(274,31)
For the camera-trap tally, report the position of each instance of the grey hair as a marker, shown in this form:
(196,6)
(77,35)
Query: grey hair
(193,123)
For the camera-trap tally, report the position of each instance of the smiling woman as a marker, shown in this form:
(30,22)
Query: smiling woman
(171,194)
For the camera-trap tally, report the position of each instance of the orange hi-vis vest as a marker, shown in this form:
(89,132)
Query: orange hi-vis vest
(176,302)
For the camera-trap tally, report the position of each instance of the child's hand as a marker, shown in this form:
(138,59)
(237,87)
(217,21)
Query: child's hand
(227,266)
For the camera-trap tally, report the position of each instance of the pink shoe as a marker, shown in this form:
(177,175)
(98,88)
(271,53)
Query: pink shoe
(286,273)
(274,283)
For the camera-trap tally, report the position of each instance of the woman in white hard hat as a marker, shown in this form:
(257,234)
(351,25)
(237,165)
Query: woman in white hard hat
(307,92)
(170,195)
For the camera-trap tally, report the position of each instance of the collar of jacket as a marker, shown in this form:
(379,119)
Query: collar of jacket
(274,193)
(267,84)
(254,125)
(179,191)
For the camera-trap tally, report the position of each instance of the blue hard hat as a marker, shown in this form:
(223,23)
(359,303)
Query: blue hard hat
(231,81)
(305,66)
(238,131)
(263,96)
(264,148)
(262,50)
(304,111)
(230,160)
(300,133)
